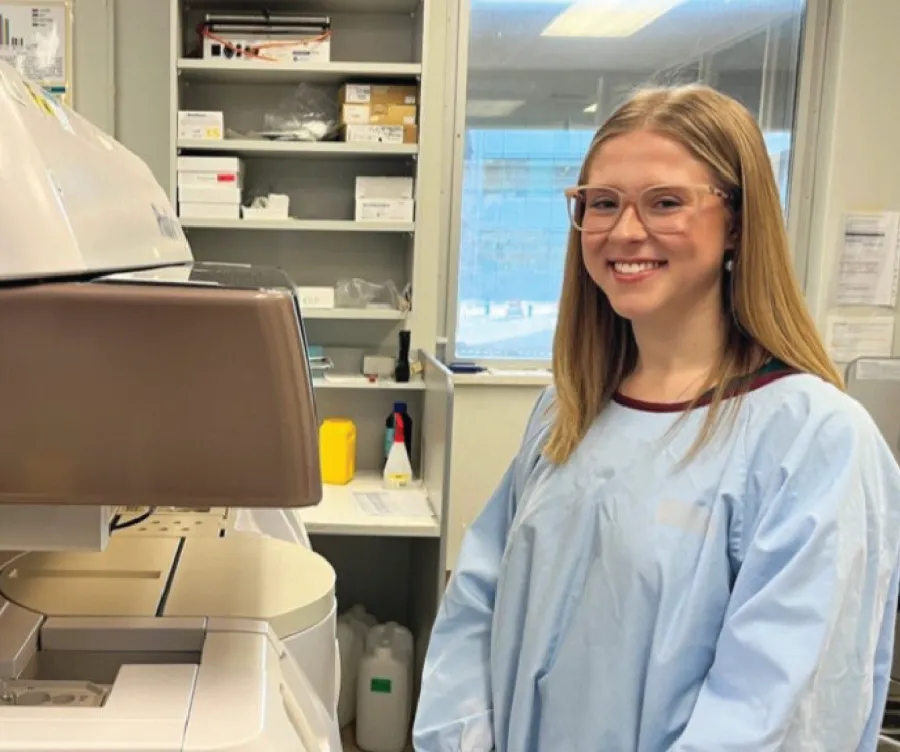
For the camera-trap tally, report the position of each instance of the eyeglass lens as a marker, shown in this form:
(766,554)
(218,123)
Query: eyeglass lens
(664,209)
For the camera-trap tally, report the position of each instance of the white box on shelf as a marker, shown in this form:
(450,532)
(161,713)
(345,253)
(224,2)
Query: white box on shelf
(210,164)
(384,210)
(209,194)
(190,179)
(201,125)
(316,297)
(275,206)
(209,211)
(384,187)
(378,365)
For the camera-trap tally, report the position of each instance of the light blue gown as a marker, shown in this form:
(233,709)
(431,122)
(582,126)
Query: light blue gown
(617,603)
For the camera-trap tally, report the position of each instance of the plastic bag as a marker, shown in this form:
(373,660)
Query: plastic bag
(308,114)
(359,293)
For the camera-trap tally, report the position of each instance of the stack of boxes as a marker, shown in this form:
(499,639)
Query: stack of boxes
(384,199)
(209,187)
(375,113)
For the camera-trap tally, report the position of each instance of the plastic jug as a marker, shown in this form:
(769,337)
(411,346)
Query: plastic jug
(384,690)
(337,450)
(359,613)
(351,632)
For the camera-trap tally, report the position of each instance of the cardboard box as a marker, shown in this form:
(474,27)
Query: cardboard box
(384,187)
(378,94)
(380,134)
(378,114)
(384,210)
(201,125)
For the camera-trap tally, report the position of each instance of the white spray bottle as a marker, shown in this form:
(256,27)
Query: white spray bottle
(397,469)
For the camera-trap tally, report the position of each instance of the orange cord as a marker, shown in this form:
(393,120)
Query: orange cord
(255,53)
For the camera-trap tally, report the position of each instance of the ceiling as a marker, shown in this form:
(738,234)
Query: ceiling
(505,35)
(549,82)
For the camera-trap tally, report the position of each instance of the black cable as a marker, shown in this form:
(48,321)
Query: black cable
(116,525)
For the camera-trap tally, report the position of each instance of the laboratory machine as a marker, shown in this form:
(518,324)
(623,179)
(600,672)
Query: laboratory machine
(875,384)
(156,590)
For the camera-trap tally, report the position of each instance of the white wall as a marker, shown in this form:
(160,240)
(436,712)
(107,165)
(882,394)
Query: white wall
(859,154)
(489,416)
(93,78)
(857,164)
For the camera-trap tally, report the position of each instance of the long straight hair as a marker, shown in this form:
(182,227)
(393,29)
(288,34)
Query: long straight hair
(594,348)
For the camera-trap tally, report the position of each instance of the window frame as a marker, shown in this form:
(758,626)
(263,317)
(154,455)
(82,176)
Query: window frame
(809,87)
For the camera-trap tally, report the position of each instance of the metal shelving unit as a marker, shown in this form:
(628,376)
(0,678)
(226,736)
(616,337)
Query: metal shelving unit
(392,564)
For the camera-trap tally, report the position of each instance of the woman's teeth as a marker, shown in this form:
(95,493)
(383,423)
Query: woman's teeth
(622,267)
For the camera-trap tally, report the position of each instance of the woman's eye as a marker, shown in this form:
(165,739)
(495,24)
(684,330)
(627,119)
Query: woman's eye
(666,204)
(603,204)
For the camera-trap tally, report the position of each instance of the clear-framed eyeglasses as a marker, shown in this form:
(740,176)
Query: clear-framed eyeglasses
(663,209)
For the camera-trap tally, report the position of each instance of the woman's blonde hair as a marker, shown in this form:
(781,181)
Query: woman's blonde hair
(594,348)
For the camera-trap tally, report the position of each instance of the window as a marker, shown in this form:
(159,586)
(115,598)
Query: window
(535,96)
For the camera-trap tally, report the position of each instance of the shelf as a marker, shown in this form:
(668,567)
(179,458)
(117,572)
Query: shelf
(249,147)
(354,314)
(297,225)
(259,72)
(414,385)
(319,6)
(338,514)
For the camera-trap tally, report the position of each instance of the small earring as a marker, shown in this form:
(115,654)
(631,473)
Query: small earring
(729,260)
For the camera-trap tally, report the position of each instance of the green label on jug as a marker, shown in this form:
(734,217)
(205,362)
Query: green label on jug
(382,686)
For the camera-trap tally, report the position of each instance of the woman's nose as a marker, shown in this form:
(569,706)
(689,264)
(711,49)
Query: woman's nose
(629,226)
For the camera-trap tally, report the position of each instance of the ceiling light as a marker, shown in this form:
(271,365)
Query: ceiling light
(488,108)
(607,18)
(591,108)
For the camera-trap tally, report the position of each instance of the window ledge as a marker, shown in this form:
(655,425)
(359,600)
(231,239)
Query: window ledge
(502,377)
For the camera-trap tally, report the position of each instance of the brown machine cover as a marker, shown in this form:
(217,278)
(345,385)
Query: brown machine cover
(188,395)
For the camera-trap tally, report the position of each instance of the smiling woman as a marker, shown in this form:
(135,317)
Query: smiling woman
(540,77)
(649,575)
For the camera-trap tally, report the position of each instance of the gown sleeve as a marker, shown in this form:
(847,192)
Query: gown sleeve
(454,713)
(883,659)
(804,652)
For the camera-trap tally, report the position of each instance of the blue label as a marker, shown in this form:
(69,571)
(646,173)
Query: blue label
(388,440)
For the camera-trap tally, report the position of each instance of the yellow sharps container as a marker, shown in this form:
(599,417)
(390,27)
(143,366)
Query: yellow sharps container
(337,450)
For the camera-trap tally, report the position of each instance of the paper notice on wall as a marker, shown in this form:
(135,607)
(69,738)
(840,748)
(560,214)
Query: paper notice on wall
(869,263)
(852,337)
(33,40)
(870,369)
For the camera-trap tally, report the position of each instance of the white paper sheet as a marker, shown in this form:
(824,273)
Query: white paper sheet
(411,503)
(852,337)
(869,263)
(878,370)
(345,378)
(33,40)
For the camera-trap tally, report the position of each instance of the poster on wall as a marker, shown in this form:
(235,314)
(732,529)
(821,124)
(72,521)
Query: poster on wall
(869,262)
(34,39)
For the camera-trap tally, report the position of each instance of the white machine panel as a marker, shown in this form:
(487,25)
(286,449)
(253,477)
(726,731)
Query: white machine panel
(74,201)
